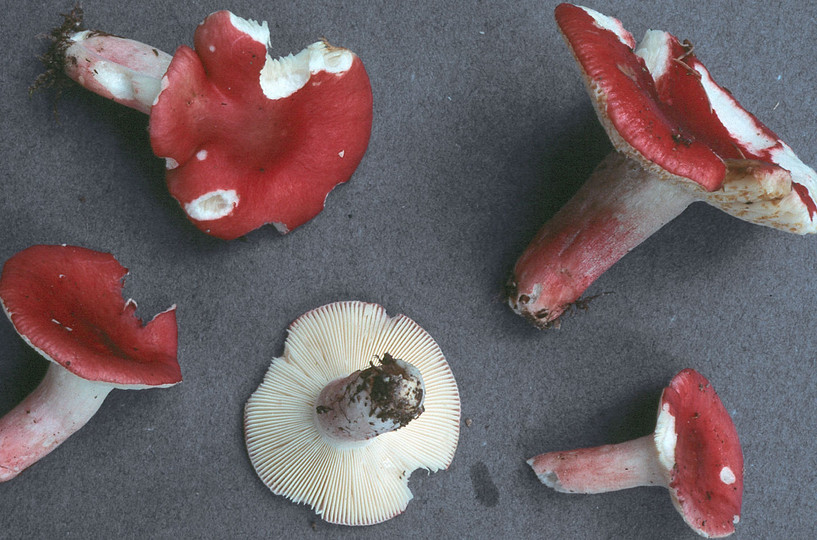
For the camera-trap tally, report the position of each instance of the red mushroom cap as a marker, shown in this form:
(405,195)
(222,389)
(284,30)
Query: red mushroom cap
(660,106)
(66,302)
(627,97)
(706,481)
(710,114)
(251,140)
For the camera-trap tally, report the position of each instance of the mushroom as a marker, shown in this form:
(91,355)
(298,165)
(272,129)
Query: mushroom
(694,452)
(66,303)
(679,138)
(357,402)
(248,139)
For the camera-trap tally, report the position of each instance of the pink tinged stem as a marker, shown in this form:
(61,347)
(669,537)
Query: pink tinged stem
(126,71)
(601,469)
(58,407)
(617,208)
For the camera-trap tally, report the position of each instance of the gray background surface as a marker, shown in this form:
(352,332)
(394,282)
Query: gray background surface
(482,130)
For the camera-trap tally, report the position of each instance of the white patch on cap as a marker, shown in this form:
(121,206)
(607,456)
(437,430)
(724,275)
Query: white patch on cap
(742,126)
(735,519)
(170,163)
(728,476)
(341,153)
(212,205)
(611,24)
(665,437)
(201,155)
(257,31)
(655,51)
(284,76)
(212,48)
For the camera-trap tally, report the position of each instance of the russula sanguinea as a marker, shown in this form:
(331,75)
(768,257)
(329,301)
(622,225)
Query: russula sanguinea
(66,302)
(248,140)
(679,138)
(694,452)
(357,402)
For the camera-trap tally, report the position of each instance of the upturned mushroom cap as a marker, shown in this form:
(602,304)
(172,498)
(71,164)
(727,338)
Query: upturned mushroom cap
(66,302)
(661,107)
(350,483)
(250,140)
(699,447)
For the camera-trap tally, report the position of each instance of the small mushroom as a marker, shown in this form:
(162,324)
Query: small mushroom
(694,452)
(66,302)
(248,139)
(357,402)
(680,138)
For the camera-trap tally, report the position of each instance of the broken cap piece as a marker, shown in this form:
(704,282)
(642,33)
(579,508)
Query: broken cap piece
(248,140)
(681,138)
(357,402)
(66,302)
(694,452)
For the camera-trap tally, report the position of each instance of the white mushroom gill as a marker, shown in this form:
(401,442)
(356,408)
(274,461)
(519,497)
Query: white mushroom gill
(212,205)
(352,483)
(666,437)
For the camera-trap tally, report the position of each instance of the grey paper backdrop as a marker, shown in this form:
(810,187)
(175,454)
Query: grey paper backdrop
(482,130)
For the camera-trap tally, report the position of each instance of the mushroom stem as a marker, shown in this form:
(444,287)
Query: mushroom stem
(616,209)
(370,402)
(59,406)
(603,468)
(123,70)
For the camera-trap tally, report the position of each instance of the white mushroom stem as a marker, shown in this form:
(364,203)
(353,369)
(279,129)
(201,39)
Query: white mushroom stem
(370,402)
(603,468)
(616,209)
(59,406)
(126,71)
